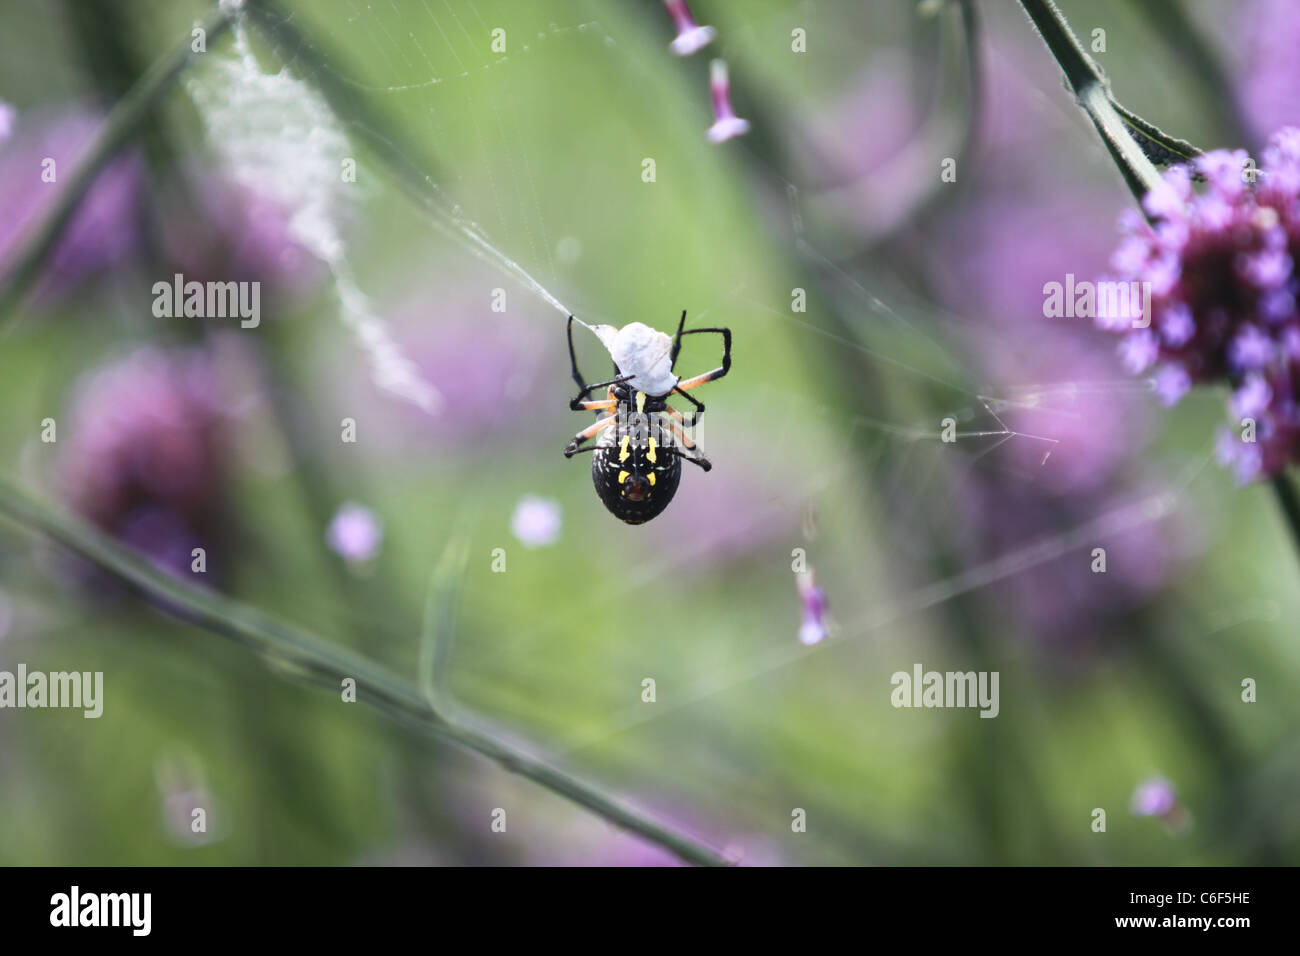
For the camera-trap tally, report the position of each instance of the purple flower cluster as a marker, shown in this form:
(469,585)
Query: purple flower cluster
(143,456)
(1220,263)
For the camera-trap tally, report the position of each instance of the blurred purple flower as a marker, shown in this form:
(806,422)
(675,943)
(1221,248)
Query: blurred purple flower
(143,459)
(726,124)
(537,521)
(1067,426)
(1221,265)
(1268,34)
(355,533)
(859,154)
(8,118)
(814,627)
(1061,600)
(106,229)
(690,36)
(246,236)
(1154,798)
(495,370)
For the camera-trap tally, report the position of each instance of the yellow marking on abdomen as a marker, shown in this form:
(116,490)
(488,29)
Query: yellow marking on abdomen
(651,453)
(622,477)
(640,402)
(623,453)
(652,479)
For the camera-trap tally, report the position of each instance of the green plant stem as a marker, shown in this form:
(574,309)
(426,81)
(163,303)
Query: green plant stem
(1093,93)
(1289,501)
(125,121)
(308,657)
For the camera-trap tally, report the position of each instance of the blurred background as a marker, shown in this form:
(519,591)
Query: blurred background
(870,300)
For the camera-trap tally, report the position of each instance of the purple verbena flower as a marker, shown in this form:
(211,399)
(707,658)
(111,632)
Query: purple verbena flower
(1220,261)
(142,455)
(355,533)
(690,36)
(1171,384)
(814,628)
(726,124)
(1154,797)
(536,522)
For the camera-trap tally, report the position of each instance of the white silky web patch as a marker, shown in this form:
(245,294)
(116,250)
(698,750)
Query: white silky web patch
(279,138)
(642,352)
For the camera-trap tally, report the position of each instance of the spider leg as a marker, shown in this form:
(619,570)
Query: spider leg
(573,361)
(677,341)
(589,432)
(695,415)
(683,440)
(717,373)
(703,462)
(579,403)
(584,390)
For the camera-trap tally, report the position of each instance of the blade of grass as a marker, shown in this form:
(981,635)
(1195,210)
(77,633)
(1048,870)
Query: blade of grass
(297,653)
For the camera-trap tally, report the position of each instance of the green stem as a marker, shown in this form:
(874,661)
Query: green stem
(1086,80)
(125,121)
(317,661)
(1289,500)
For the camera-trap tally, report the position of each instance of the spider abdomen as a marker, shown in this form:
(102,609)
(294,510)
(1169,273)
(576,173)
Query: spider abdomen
(634,474)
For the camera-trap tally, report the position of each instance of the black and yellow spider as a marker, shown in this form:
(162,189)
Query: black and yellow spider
(641,442)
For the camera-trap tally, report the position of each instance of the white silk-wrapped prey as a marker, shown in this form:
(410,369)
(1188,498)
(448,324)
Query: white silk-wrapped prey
(643,353)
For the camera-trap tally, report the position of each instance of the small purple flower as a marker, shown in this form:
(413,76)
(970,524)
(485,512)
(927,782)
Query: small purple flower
(537,521)
(1171,384)
(690,36)
(726,124)
(1169,198)
(1139,351)
(1176,325)
(1154,798)
(1242,458)
(814,628)
(355,534)
(1250,349)
(8,118)
(1224,170)
(1252,399)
